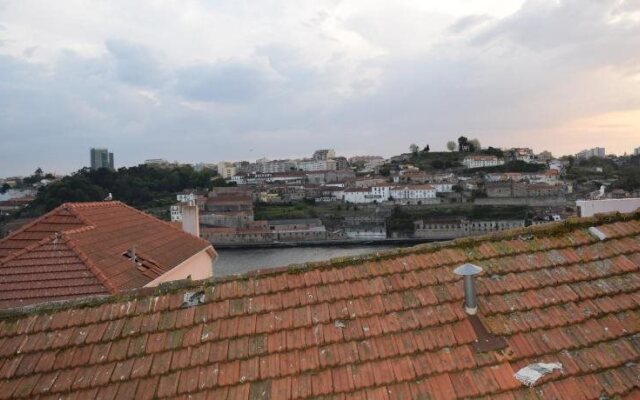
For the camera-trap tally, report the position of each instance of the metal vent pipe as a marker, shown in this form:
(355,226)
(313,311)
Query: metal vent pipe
(468,272)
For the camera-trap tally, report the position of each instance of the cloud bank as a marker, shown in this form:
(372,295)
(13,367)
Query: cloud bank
(209,81)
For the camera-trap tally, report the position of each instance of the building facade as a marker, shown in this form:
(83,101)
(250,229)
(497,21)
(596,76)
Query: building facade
(410,194)
(482,161)
(226,170)
(587,154)
(316,165)
(324,154)
(460,227)
(101,158)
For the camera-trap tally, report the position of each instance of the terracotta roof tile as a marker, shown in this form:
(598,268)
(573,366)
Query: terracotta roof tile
(77,250)
(389,328)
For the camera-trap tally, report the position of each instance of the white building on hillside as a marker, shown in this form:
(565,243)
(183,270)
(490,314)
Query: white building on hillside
(362,195)
(587,154)
(443,187)
(381,193)
(324,154)
(521,154)
(176,212)
(481,161)
(226,169)
(412,194)
(316,165)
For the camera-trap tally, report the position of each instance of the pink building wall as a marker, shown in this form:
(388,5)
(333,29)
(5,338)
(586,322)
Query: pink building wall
(199,266)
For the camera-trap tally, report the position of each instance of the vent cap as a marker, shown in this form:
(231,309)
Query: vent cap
(468,271)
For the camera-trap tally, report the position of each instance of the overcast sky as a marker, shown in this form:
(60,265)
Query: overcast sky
(230,79)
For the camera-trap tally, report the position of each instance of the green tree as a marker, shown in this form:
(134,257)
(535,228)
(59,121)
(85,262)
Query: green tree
(463,144)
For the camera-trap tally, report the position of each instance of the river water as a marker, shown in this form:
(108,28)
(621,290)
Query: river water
(238,261)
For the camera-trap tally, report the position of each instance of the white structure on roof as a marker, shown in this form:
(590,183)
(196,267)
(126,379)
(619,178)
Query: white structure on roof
(185,197)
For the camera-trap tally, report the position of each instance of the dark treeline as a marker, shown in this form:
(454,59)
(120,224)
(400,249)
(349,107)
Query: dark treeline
(141,187)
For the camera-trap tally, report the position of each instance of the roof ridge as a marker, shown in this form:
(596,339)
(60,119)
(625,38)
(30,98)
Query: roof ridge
(34,222)
(554,227)
(71,208)
(119,203)
(88,262)
(84,204)
(28,248)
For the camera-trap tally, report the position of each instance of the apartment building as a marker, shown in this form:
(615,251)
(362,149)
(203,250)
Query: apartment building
(587,154)
(226,170)
(482,161)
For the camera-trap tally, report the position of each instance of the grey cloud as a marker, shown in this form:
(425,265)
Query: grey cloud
(627,6)
(467,23)
(29,51)
(513,76)
(287,62)
(228,82)
(575,32)
(134,64)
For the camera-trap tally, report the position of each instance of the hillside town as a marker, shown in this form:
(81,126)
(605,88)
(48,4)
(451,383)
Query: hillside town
(328,198)
(321,199)
(101,300)
(362,198)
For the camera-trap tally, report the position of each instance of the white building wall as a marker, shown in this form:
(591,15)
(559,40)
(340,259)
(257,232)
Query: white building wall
(362,197)
(588,208)
(471,162)
(176,213)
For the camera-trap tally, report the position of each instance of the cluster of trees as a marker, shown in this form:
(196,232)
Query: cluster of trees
(141,186)
(415,149)
(464,145)
(628,179)
(37,176)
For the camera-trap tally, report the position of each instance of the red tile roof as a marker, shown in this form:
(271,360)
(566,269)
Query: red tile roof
(389,326)
(77,250)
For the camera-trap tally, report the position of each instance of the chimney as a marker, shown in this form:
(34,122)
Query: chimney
(191,218)
(468,271)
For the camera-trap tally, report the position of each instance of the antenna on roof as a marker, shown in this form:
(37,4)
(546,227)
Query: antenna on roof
(131,253)
(468,271)
(56,236)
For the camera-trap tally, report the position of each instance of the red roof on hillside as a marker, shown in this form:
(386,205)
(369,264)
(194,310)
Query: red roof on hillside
(78,249)
(382,327)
